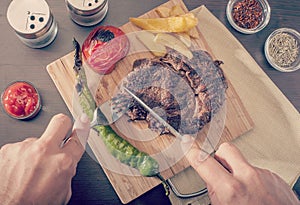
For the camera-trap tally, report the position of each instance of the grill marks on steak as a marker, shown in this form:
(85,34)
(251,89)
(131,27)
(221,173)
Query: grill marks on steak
(185,92)
(205,77)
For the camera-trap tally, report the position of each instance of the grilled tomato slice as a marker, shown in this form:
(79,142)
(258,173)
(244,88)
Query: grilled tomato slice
(104,47)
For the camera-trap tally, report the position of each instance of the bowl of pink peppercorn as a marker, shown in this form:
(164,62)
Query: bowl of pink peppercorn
(248,16)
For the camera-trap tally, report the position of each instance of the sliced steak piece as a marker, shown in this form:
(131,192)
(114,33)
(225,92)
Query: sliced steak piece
(185,92)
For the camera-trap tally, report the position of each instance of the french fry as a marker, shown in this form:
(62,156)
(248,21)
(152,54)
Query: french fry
(175,24)
(147,38)
(171,20)
(163,11)
(185,38)
(176,11)
(193,33)
(174,43)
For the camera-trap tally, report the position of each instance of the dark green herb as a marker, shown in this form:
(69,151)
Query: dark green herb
(284,49)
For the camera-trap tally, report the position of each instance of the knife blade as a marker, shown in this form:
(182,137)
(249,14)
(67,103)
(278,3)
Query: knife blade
(155,115)
(164,123)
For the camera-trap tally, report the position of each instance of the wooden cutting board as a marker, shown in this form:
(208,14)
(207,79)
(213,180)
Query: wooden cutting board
(125,180)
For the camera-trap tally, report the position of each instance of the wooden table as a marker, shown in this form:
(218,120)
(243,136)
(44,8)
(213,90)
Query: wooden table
(18,62)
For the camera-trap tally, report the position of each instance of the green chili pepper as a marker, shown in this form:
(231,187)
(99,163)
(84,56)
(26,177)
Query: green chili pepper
(126,153)
(116,145)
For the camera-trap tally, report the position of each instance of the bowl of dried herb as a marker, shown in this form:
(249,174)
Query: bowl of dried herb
(248,16)
(282,49)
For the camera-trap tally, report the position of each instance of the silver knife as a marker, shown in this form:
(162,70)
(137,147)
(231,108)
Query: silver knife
(176,134)
(162,121)
(155,115)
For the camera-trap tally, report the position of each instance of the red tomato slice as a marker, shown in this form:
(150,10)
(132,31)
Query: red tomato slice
(104,47)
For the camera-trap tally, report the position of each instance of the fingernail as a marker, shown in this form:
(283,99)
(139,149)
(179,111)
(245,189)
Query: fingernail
(84,118)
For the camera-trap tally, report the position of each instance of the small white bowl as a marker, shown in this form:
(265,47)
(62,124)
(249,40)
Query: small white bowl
(296,64)
(266,14)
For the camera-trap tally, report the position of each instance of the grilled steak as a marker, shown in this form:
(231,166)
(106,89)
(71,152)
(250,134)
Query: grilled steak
(185,92)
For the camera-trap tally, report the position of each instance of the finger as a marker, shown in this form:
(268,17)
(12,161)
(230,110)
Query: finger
(56,130)
(231,158)
(30,139)
(75,145)
(186,143)
(68,196)
(210,170)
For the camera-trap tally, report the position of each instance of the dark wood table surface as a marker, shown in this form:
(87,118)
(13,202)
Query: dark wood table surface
(18,62)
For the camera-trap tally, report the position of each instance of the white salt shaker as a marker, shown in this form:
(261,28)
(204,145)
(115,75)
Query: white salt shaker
(33,22)
(87,12)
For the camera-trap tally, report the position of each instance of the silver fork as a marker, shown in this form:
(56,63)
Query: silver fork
(110,111)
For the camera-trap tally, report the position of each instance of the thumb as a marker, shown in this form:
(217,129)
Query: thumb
(82,128)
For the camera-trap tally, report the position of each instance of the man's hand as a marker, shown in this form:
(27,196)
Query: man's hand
(230,179)
(40,170)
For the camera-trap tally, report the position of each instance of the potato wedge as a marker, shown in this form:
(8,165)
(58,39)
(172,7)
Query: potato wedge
(185,38)
(163,11)
(176,11)
(174,43)
(171,24)
(194,33)
(147,38)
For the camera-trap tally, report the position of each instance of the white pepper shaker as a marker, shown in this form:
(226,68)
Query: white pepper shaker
(33,22)
(87,12)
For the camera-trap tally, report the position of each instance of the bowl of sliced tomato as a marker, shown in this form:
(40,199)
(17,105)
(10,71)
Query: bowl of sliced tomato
(21,100)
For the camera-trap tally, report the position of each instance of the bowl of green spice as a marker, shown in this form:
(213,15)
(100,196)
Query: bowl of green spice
(282,49)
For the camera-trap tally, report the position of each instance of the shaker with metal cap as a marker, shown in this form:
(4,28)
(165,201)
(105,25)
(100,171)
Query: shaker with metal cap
(33,22)
(87,12)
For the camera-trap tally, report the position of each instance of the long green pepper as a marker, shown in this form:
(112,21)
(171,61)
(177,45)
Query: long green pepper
(116,145)
(126,153)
